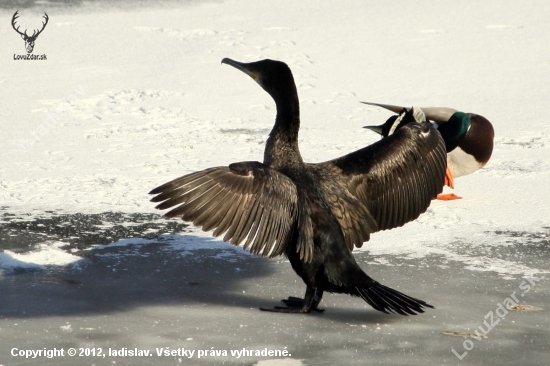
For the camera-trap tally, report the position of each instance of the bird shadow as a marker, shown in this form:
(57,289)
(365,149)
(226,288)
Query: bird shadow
(144,260)
(134,272)
(131,273)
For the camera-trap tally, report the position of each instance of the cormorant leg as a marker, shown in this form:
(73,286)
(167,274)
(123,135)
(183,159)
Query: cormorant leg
(297,305)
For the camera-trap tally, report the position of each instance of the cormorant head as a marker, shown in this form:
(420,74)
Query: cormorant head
(273,76)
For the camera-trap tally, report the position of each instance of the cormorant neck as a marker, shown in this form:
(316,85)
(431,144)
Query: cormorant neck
(287,122)
(282,145)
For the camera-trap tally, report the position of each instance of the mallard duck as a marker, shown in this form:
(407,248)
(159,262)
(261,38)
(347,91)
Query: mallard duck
(314,213)
(468,137)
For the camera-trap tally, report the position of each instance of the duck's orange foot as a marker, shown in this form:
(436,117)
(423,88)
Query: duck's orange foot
(448,197)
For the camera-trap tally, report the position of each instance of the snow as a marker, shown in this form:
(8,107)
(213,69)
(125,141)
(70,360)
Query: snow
(46,254)
(132,96)
(149,101)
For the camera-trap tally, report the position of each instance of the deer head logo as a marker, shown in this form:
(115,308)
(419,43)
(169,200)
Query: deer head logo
(29,40)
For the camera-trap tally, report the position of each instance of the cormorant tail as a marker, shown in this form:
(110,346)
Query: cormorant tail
(388,300)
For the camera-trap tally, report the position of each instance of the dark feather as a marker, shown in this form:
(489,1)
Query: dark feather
(388,300)
(235,200)
(384,181)
(314,213)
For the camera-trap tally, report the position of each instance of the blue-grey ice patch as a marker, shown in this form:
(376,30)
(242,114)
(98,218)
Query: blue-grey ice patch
(183,245)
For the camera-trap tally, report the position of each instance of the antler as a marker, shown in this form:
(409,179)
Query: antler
(43,25)
(34,34)
(15,16)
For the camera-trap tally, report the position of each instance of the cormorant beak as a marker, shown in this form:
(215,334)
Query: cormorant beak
(377,129)
(241,66)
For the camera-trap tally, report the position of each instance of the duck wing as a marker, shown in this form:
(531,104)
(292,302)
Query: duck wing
(246,200)
(386,184)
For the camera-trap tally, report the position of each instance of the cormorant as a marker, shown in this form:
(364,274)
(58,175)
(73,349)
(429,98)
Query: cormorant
(314,213)
(468,137)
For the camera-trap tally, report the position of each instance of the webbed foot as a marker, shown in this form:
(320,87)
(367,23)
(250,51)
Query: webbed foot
(448,197)
(298,305)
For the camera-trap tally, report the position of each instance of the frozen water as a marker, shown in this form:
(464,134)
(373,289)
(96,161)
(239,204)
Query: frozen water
(132,95)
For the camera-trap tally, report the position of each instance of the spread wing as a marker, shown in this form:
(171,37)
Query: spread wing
(386,184)
(246,200)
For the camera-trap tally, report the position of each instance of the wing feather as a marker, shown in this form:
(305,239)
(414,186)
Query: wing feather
(246,200)
(204,213)
(386,184)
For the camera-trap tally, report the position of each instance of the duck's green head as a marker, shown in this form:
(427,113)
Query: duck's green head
(454,130)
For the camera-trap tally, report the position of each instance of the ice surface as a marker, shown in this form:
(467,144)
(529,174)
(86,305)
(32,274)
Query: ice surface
(133,95)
